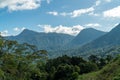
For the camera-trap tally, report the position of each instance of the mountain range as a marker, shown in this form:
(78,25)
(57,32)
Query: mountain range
(47,41)
(54,41)
(112,38)
(59,44)
(103,44)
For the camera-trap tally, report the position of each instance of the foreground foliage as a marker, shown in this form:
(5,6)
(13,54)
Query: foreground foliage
(109,72)
(21,61)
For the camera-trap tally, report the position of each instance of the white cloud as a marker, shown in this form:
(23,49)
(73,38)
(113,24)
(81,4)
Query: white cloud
(74,13)
(54,13)
(19,29)
(94,14)
(79,12)
(113,13)
(64,14)
(93,25)
(15,5)
(4,33)
(74,30)
(98,2)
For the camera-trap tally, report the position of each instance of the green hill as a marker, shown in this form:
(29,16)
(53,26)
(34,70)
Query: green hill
(109,72)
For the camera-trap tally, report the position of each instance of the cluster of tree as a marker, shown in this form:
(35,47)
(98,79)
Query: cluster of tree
(21,61)
(100,61)
(68,68)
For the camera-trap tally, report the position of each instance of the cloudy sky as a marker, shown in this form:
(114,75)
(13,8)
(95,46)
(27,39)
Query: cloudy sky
(61,16)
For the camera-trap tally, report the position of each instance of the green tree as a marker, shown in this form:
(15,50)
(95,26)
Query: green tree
(94,59)
(20,61)
(65,72)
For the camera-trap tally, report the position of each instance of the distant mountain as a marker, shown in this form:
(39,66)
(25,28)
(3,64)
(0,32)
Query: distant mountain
(90,39)
(48,41)
(85,36)
(102,44)
(110,39)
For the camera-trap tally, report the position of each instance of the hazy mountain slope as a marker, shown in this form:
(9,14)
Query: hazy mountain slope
(85,36)
(106,41)
(110,39)
(49,41)
(54,41)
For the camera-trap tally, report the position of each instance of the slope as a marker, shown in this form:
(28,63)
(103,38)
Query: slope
(109,72)
(110,39)
(48,41)
(85,36)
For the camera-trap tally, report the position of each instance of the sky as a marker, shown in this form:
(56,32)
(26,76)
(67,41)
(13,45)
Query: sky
(61,16)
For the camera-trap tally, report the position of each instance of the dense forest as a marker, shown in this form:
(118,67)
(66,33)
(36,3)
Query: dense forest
(26,62)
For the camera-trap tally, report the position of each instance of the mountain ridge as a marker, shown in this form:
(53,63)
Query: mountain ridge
(42,40)
(86,35)
(110,39)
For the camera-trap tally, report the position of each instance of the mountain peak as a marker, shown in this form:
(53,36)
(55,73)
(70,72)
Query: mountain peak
(89,31)
(86,35)
(112,38)
(27,32)
(117,27)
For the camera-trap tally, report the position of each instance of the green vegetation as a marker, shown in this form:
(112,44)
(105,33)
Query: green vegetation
(26,62)
(21,61)
(109,72)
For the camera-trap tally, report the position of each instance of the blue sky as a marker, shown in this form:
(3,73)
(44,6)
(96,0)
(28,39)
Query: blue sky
(61,16)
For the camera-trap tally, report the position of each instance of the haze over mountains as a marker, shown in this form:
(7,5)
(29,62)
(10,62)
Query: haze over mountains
(112,38)
(47,41)
(53,41)
(103,44)
(85,36)
(60,44)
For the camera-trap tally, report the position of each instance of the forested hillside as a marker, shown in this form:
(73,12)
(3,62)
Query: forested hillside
(100,46)
(85,36)
(47,41)
(109,72)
